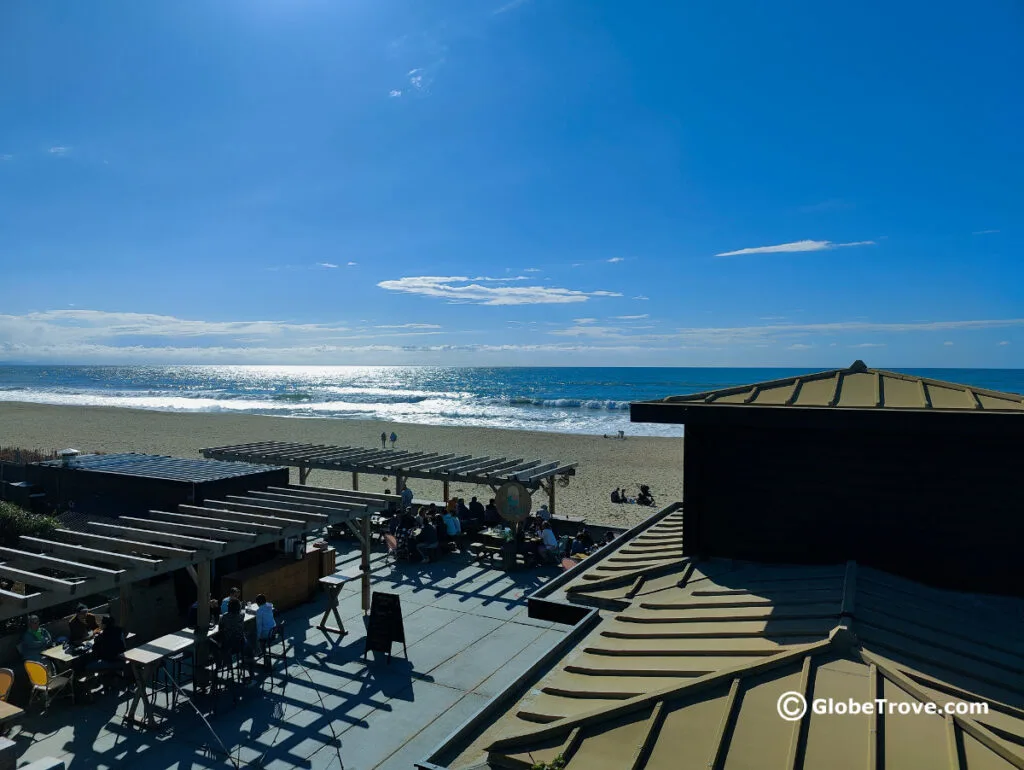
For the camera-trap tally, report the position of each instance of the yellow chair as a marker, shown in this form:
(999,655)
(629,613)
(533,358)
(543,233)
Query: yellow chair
(6,682)
(51,687)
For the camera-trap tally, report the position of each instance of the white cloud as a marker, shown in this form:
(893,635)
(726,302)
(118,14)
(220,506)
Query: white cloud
(800,346)
(462,290)
(793,247)
(584,320)
(1004,342)
(632,317)
(576,264)
(499,280)
(352,264)
(328,265)
(869,345)
(617,259)
(58,150)
(641,297)
(409,326)
(947,343)
(773,318)
(394,93)
(984,232)
(532,270)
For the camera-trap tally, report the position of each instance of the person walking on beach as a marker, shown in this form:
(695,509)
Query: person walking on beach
(394,438)
(383,440)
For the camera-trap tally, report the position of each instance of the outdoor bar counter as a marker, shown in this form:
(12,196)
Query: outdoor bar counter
(285,580)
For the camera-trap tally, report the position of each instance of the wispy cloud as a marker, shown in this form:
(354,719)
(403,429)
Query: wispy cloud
(984,232)
(632,317)
(462,290)
(773,318)
(329,265)
(800,346)
(532,270)
(795,246)
(584,320)
(617,259)
(641,297)
(352,264)
(58,150)
(947,343)
(1004,342)
(869,345)
(409,326)
(394,93)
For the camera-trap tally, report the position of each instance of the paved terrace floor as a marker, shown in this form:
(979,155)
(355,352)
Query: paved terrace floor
(468,635)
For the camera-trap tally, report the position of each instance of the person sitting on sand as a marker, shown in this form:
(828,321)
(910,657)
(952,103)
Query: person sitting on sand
(616,496)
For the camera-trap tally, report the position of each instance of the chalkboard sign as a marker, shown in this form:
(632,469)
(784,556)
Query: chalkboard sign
(385,624)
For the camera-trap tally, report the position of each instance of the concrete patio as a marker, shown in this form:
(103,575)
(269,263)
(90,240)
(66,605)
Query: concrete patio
(468,637)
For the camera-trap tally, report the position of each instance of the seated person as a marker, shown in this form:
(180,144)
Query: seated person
(544,514)
(453,505)
(609,536)
(462,511)
(231,631)
(616,496)
(193,611)
(585,538)
(34,640)
(265,622)
(108,649)
(428,542)
(82,626)
(452,525)
(491,515)
(548,544)
(234,593)
(577,546)
(476,509)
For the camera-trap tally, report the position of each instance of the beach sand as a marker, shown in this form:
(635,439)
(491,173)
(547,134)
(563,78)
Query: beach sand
(603,464)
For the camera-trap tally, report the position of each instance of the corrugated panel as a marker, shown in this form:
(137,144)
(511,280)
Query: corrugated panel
(160,467)
(860,388)
(711,658)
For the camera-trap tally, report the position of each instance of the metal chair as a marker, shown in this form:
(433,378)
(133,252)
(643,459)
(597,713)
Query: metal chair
(51,687)
(6,682)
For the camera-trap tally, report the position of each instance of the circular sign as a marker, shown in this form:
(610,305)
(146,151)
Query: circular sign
(513,501)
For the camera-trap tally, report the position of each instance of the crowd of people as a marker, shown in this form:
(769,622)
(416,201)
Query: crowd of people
(423,533)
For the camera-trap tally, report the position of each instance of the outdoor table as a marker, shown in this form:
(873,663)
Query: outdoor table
(63,659)
(8,713)
(144,660)
(334,583)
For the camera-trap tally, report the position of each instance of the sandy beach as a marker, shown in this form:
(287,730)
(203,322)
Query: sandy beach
(603,463)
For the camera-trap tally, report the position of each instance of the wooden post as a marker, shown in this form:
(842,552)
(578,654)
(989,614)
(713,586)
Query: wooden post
(303,473)
(126,606)
(355,481)
(444,492)
(366,540)
(202,620)
(398,484)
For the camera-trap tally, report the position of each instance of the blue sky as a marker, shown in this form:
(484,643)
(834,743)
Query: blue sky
(526,182)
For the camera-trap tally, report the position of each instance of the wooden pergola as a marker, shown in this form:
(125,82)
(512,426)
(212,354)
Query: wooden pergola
(115,554)
(485,471)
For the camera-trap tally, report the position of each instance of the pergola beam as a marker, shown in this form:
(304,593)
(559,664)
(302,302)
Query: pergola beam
(156,537)
(189,530)
(84,552)
(39,581)
(227,524)
(41,561)
(130,546)
(225,514)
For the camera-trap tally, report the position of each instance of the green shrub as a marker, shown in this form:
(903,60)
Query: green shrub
(558,763)
(15,522)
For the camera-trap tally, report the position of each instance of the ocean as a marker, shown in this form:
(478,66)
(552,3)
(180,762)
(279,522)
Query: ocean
(557,399)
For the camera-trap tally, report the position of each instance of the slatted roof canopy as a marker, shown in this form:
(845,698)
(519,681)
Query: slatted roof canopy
(115,552)
(159,467)
(488,471)
(856,387)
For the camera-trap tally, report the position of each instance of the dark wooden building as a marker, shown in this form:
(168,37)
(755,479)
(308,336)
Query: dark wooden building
(913,476)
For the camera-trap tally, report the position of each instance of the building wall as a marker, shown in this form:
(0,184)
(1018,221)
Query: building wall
(939,508)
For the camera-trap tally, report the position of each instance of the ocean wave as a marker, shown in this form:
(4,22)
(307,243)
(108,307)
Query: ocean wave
(562,403)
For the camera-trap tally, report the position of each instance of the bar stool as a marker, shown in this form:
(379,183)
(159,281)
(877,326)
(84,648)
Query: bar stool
(173,674)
